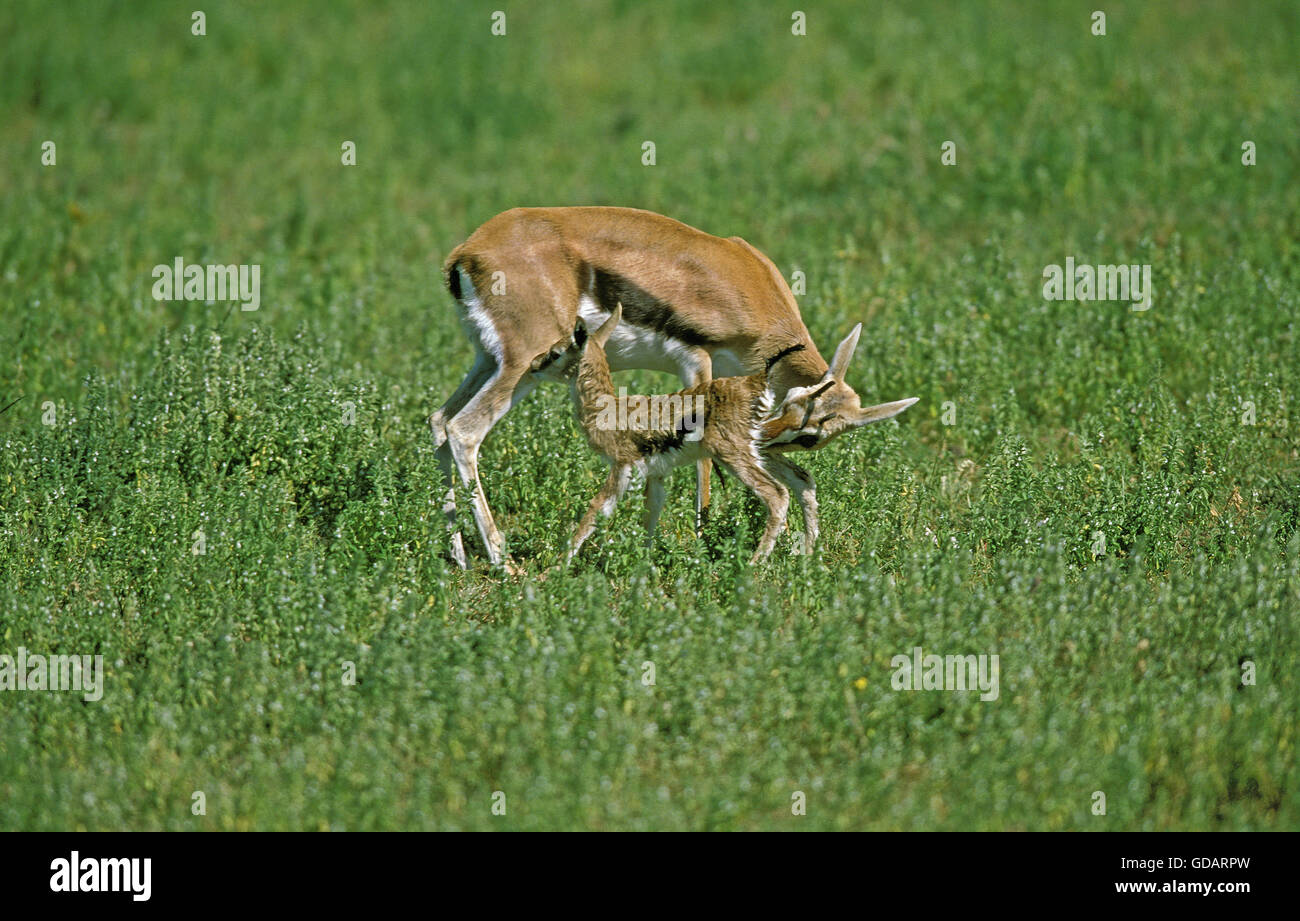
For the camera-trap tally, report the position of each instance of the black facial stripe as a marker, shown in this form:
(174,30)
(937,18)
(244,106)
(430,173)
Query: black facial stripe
(812,399)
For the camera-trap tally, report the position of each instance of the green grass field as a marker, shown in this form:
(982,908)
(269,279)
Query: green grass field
(966,529)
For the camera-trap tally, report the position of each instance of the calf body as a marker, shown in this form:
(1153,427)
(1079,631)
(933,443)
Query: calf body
(733,421)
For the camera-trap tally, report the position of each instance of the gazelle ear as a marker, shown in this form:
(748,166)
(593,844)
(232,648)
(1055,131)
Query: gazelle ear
(601,336)
(882,411)
(844,354)
(580,333)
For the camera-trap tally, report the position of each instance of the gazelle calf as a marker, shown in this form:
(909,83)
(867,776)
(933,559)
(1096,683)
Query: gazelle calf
(693,304)
(731,421)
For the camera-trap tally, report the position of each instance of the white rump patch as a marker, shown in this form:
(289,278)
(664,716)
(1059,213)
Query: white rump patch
(478,325)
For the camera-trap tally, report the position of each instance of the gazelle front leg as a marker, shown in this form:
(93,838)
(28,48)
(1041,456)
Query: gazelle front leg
(696,370)
(602,503)
(654,506)
(703,468)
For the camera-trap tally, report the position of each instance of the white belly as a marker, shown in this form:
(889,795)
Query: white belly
(632,347)
(661,464)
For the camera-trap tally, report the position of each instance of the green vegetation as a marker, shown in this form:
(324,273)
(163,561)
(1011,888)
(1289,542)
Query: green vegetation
(323,542)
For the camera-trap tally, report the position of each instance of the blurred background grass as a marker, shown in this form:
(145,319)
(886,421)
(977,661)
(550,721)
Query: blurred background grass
(823,151)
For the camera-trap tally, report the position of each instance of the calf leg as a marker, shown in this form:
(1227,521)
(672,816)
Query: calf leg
(773,495)
(800,482)
(603,504)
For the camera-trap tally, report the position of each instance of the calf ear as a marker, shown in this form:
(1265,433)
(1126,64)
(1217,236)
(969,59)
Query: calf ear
(844,354)
(882,411)
(802,396)
(601,336)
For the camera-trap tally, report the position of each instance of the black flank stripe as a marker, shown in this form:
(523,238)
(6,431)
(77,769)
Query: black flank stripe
(641,308)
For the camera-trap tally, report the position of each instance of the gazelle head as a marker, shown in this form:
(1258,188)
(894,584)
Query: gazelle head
(809,417)
(560,362)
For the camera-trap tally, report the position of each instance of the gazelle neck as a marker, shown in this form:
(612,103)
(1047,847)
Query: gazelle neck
(794,367)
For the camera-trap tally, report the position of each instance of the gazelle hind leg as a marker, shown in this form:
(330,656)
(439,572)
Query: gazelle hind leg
(800,482)
(478,376)
(465,433)
(602,503)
